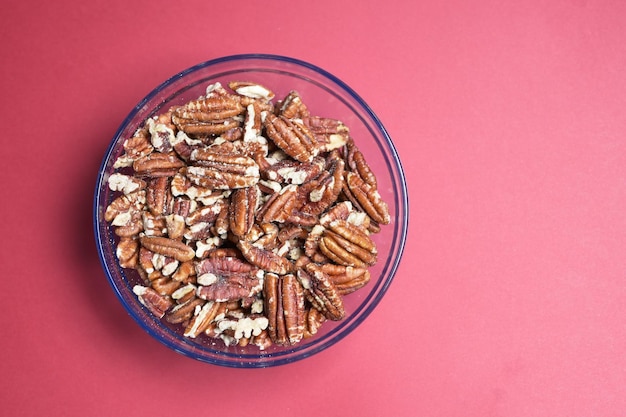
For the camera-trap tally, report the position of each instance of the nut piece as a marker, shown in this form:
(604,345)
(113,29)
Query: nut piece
(317,195)
(279,206)
(293,107)
(158,195)
(222,170)
(347,244)
(156,303)
(227,278)
(127,252)
(347,279)
(357,164)
(365,196)
(204,318)
(264,259)
(329,133)
(292,137)
(284,307)
(168,247)
(321,292)
(209,116)
(252,90)
(158,164)
(313,322)
(242,210)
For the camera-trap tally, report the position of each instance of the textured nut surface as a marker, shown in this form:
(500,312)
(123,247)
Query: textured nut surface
(284,307)
(321,292)
(247,220)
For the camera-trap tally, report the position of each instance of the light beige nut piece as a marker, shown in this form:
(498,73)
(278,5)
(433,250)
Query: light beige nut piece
(125,183)
(251,89)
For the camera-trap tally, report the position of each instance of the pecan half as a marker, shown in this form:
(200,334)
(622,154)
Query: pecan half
(264,259)
(347,279)
(156,303)
(366,197)
(251,89)
(224,171)
(125,213)
(319,194)
(347,244)
(321,292)
(357,164)
(313,322)
(242,210)
(158,164)
(284,308)
(293,137)
(292,107)
(158,195)
(168,247)
(329,133)
(208,116)
(289,171)
(227,278)
(200,322)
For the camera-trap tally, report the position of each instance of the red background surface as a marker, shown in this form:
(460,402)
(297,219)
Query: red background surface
(509,118)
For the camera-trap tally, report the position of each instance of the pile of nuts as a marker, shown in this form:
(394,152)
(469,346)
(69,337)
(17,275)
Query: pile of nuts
(248,219)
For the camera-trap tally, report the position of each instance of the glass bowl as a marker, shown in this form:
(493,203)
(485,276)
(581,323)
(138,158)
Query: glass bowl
(324,95)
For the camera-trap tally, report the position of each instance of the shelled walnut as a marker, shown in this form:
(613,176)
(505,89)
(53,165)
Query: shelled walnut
(248,220)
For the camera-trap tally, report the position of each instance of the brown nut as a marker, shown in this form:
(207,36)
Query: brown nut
(227,278)
(292,137)
(347,244)
(284,308)
(168,247)
(320,291)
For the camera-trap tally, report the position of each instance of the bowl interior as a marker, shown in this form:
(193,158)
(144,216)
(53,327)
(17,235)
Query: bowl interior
(325,96)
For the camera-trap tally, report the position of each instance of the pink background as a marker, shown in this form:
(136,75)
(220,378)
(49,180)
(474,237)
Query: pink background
(509,118)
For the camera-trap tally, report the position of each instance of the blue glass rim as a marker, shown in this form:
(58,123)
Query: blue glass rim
(222,358)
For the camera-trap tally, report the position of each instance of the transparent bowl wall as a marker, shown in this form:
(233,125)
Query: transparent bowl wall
(324,95)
